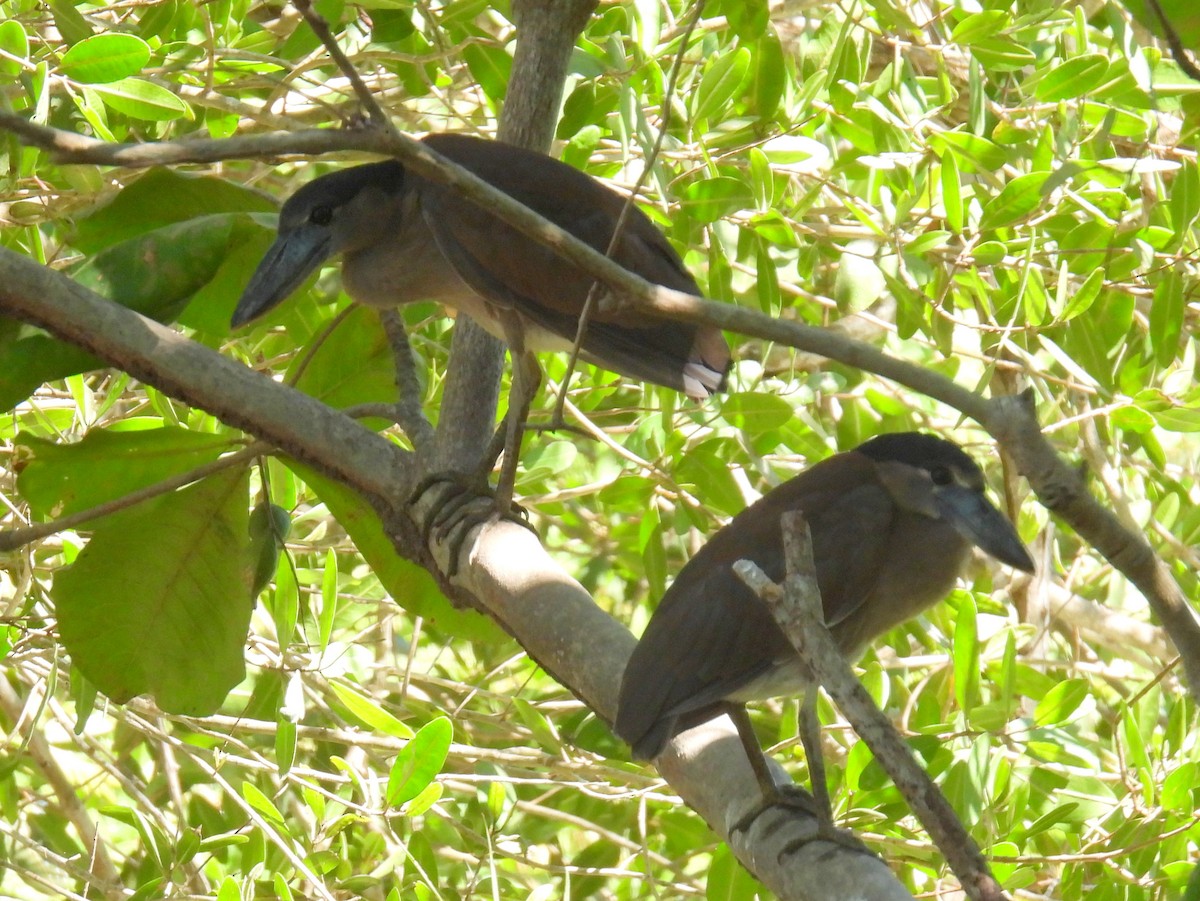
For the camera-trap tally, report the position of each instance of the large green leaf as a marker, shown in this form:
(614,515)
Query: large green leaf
(1018,199)
(163,197)
(15,43)
(142,99)
(418,764)
(351,365)
(724,79)
(159,601)
(60,479)
(708,199)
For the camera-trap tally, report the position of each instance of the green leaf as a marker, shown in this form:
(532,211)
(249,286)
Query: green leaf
(353,364)
(260,802)
(269,526)
(724,79)
(978,26)
(285,745)
(139,207)
(707,469)
(979,153)
(1083,297)
(1179,788)
(140,99)
(767,283)
(1018,199)
(1132,419)
(180,634)
(548,459)
(105,58)
(1179,419)
(1166,317)
(368,711)
(410,585)
(329,599)
(14,42)
(62,479)
(1185,197)
(70,22)
(952,198)
(1072,78)
(929,241)
(710,199)
(748,18)
(419,763)
(966,654)
(155,274)
(769,76)
(490,67)
(989,253)
(283,602)
(1002,54)
(1061,702)
(859,281)
(755,412)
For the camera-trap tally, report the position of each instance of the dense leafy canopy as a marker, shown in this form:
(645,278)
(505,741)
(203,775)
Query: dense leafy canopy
(1006,193)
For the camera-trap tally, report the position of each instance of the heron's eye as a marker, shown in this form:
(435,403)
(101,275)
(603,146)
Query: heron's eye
(941,475)
(321,215)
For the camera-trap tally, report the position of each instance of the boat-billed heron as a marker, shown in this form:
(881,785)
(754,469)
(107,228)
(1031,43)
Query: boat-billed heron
(892,523)
(403,238)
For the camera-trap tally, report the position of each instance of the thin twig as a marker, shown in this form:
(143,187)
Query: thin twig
(1173,41)
(408,412)
(321,29)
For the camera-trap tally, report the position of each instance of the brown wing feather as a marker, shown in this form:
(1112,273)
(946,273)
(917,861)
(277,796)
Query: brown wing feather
(511,270)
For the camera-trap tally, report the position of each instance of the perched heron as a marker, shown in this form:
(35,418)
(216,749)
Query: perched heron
(403,238)
(892,523)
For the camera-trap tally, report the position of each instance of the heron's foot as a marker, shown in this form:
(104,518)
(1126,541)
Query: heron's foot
(464,501)
(793,797)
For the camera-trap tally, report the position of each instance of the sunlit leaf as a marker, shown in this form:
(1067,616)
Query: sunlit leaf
(105,58)
(422,758)
(142,100)
(368,711)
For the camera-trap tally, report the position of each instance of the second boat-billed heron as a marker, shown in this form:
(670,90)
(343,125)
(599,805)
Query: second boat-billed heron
(892,523)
